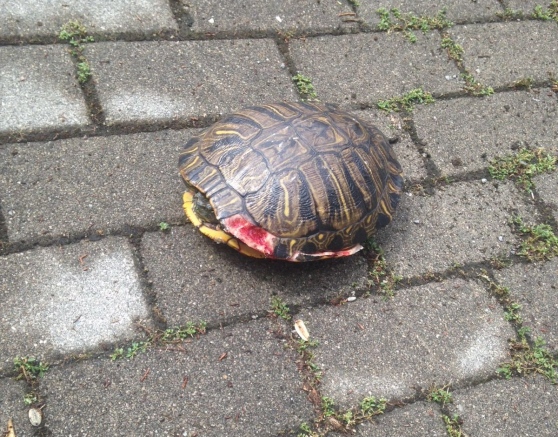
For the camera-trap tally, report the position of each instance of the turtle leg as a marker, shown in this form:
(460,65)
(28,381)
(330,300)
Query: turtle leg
(216,235)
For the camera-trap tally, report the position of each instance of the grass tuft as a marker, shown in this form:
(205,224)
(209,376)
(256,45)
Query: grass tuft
(523,166)
(406,102)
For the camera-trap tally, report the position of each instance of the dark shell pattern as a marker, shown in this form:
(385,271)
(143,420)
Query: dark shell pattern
(311,174)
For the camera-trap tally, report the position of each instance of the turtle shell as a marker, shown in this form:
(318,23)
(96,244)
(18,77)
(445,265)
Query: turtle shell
(315,179)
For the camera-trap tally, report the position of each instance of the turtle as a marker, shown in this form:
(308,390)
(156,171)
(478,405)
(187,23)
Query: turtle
(298,181)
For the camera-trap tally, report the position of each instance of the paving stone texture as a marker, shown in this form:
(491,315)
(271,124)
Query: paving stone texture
(68,299)
(518,407)
(38,90)
(91,185)
(420,419)
(394,66)
(469,139)
(89,172)
(146,82)
(281,18)
(468,11)
(255,389)
(534,287)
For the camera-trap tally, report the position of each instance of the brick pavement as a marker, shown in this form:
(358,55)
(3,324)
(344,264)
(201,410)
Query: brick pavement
(117,307)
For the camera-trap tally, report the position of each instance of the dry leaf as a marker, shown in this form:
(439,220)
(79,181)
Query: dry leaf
(301,330)
(11,431)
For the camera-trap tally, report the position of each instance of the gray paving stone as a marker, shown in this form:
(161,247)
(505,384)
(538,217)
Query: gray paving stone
(432,334)
(499,54)
(547,187)
(161,81)
(85,185)
(54,303)
(38,90)
(197,279)
(12,406)
(29,19)
(280,17)
(525,6)
(534,287)
(463,135)
(362,69)
(463,223)
(521,407)
(406,151)
(255,390)
(417,420)
(456,11)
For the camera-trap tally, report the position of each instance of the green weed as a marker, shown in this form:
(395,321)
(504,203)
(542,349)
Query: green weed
(394,20)
(525,83)
(75,34)
(528,359)
(163,226)
(523,166)
(510,14)
(511,314)
(305,87)
(406,102)
(280,308)
(539,241)
(168,336)
(453,425)
(454,50)
(380,275)
(474,87)
(441,395)
(551,13)
(29,368)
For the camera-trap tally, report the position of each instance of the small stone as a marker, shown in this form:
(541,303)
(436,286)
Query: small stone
(278,18)
(211,20)
(484,180)
(416,222)
(35,416)
(351,299)
(500,238)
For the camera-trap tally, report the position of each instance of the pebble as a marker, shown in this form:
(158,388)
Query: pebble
(351,299)
(500,238)
(484,180)
(35,416)
(416,222)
